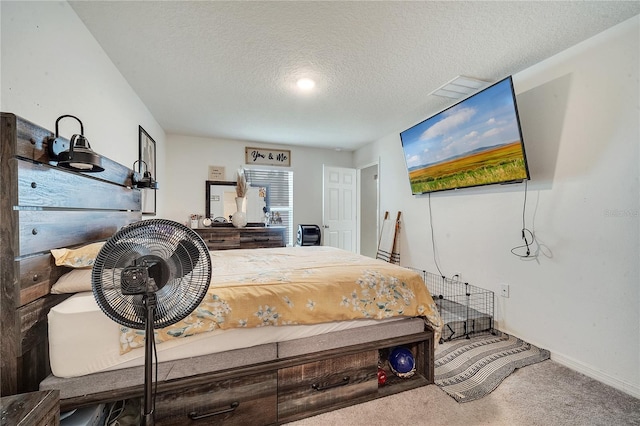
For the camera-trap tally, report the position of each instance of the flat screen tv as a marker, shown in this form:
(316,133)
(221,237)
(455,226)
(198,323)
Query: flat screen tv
(477,141)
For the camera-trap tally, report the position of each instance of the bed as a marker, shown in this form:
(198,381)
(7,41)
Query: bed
(289,371)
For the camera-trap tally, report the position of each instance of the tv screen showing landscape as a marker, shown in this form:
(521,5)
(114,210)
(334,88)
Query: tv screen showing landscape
(477,141)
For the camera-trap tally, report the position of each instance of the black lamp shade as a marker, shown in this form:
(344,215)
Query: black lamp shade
(80,156)
(77,154)
(147,181)
(144,180)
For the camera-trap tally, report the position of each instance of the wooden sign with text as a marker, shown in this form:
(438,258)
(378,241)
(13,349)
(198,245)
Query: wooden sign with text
(216,173)
(268,157)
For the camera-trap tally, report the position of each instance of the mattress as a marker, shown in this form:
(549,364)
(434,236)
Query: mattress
(98,353)
(297,285)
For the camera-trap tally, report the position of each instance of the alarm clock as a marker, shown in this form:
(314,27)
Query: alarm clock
(206,221)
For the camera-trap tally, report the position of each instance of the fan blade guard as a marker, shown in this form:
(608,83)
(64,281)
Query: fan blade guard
(155,256)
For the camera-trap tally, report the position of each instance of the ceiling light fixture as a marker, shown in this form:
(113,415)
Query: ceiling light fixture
(306,84)
(460,87)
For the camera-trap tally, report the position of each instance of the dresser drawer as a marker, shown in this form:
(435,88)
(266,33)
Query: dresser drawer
(262,238)
(220,239)
(315,387)
(224,238)
(237,401)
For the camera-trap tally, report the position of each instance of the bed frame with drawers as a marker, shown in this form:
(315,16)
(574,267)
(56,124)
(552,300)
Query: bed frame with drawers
(44,207)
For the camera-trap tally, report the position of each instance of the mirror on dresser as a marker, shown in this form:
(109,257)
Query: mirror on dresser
(220,201)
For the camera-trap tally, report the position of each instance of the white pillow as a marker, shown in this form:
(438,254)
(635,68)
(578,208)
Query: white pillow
(75,281)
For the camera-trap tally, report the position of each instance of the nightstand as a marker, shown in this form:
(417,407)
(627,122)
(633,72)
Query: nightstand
(31,409)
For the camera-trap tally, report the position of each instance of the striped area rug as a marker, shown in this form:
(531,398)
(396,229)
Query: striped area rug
(470,369)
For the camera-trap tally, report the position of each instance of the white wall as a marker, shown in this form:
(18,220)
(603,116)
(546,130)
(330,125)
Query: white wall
(579,297)
(51,66)
(369,210)
(189,158)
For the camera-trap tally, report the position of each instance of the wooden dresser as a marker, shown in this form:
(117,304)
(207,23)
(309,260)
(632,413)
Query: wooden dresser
(251,237)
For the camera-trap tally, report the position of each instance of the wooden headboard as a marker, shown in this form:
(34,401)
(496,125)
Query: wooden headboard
(44,207)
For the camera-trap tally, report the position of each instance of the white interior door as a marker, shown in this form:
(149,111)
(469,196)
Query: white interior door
(339,201)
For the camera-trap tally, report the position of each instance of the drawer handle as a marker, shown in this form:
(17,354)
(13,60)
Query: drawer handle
(261,239)
(195,416)
(216,241)
(344,382)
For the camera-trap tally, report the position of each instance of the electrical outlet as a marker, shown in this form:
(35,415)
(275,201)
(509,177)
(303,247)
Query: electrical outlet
(504,290)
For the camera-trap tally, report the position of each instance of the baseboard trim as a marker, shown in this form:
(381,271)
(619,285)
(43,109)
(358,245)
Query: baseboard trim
(626,387)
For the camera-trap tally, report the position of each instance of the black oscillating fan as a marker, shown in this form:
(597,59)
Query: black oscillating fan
(148,275)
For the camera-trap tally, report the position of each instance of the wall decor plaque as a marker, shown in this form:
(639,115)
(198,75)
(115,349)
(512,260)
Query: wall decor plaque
(267,157)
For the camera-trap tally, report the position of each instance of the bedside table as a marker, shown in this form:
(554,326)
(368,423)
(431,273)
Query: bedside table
(31,409)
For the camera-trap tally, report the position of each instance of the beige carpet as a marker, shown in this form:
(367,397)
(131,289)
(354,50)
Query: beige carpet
(545,394)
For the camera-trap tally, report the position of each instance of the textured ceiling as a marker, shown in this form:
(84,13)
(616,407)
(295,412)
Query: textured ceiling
(228,69)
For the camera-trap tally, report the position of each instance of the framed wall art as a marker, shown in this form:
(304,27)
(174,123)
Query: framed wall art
(147,157)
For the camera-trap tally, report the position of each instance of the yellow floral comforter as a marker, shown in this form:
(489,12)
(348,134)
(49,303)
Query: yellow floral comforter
(298,285)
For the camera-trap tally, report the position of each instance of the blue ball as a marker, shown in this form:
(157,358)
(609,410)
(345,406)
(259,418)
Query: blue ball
(402,362)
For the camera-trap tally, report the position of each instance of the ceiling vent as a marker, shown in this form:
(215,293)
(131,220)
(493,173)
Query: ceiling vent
(460,87)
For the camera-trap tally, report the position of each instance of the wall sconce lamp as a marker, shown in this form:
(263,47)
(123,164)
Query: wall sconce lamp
(144,180)
(75,154)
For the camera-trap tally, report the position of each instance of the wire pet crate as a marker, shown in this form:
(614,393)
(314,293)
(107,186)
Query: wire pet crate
(465,309)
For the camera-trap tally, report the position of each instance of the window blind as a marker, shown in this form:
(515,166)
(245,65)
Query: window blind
(279,184)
